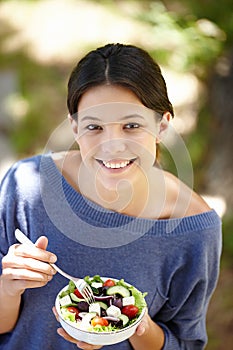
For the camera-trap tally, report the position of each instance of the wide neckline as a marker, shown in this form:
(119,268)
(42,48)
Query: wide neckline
(96,214)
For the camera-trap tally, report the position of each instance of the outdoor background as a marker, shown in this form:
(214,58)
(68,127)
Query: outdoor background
(192,40)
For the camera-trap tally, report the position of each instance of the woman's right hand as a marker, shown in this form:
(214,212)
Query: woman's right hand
(26,267)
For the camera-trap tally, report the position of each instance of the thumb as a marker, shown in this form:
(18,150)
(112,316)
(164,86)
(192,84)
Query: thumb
(42,242)
(141,328)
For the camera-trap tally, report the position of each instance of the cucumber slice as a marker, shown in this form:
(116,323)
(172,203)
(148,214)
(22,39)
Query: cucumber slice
(124,292)
(124,319)
(75,298)
(102,305)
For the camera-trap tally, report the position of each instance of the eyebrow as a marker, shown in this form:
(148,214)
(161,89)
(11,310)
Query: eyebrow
(123,118)
(133,116)
(90,118)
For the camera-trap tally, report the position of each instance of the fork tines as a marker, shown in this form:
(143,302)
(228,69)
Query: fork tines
(88,294)
(85,290)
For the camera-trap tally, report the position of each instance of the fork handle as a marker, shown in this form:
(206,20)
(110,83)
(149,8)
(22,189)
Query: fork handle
(22,238)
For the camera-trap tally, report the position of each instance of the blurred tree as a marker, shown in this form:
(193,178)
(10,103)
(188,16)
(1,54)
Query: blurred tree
(219,173)
(196,36)
(211,10)
(219,81)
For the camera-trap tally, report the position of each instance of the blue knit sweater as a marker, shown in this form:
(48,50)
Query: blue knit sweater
(176,261)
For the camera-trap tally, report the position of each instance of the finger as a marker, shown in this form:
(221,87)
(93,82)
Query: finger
(86,346)
(19,262)
(66,336)
(141,329)
(34,252)
(25,274)
(143,325)
(42,242)
(80,344)
(12,261)
(55,313)
(14,287)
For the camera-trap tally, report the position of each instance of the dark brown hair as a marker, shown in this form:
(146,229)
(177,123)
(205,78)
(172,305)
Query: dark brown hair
(124,65)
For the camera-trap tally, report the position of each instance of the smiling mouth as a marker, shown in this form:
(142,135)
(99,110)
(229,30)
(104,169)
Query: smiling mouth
(116,164)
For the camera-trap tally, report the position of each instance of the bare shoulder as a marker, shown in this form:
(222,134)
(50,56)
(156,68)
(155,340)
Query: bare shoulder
(65,159)
(184,201)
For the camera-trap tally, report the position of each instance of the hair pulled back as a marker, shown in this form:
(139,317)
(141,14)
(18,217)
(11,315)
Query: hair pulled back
(118,64)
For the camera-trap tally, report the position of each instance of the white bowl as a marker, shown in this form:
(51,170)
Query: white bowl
(95,338)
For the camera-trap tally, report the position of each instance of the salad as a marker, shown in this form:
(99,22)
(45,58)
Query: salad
(117,305)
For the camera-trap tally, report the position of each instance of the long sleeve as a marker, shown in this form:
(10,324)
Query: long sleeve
(183,317)
(8,207)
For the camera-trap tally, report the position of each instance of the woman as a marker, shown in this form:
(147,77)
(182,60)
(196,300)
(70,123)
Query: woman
(109,209)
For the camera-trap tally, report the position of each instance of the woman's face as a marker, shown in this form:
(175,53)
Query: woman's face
(116,135)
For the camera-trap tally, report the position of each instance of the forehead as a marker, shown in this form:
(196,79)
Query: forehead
(103,94)
(116,111)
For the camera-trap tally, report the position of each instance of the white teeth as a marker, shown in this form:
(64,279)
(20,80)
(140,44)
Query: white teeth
(116,165)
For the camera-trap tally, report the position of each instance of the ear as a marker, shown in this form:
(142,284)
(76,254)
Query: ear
(74,125)
(163,126)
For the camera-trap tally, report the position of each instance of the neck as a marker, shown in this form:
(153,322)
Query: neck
(127,199)
(143,198)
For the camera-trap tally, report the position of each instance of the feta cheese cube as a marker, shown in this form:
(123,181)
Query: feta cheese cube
(113,311)
(65,300)
(85,323)
(97,285)
(95,307)
(128,301)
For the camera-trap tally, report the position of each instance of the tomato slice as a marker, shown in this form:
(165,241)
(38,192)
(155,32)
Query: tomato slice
(109,283)
(78,294)
(130,311)
(99,321)
(74,310)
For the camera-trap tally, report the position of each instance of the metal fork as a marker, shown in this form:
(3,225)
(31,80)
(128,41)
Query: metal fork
(82,286)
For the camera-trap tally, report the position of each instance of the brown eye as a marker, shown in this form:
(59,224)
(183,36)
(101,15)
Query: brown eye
(132,126)
(94,127)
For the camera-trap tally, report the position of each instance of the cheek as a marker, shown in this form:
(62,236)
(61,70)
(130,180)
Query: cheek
(148,153)
(87,146)
(146,145)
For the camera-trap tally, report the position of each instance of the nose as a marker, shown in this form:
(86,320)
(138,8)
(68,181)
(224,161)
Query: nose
(113,140)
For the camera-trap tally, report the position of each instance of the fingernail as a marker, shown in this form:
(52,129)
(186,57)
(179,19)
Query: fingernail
(53,259)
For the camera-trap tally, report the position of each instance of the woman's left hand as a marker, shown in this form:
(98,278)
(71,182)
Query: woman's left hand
(66,336)
(143,325)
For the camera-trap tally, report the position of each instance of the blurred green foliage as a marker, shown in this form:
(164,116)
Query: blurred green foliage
(183,42)
(189,36)
(220,13)
(187,41)
(43,88)
(228,240)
